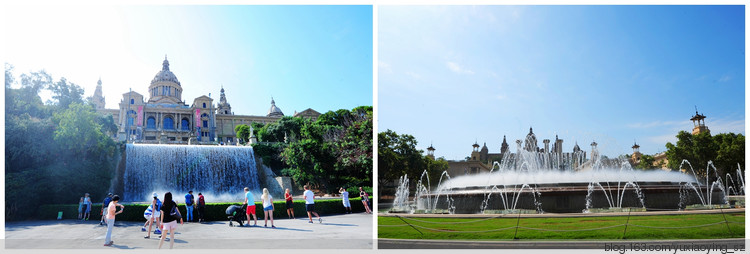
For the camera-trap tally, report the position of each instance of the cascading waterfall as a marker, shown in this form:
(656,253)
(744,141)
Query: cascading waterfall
(214,170)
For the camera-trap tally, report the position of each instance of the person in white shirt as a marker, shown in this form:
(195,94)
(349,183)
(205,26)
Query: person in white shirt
(310,204)
(345,200)
(267,208)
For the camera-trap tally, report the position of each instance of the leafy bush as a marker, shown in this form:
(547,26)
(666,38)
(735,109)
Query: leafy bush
(214,211)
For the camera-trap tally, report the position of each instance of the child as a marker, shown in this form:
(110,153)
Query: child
(80,206)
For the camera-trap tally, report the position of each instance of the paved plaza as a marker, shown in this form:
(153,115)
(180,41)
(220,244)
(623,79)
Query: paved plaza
(349,231)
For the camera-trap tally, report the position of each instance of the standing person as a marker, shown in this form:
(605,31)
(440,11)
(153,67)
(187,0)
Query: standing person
(345,200)
(267,208)
(189,203)
(365,199)
(80,206)
(310,204)
(87,205)
(155,216)
(201,207)
(168,221)
(111,213)
(250,202)
(289,204)
(105,204)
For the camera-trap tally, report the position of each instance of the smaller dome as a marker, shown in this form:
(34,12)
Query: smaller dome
(274,111)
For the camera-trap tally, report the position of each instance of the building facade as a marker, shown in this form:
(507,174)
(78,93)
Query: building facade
(165,118)
(481,160)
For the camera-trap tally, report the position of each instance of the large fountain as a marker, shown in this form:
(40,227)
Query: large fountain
(538,182)
(219,172)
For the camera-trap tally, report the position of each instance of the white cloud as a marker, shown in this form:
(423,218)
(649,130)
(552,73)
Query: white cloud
(413,75)
(384,67)
(457,68)
(725,78)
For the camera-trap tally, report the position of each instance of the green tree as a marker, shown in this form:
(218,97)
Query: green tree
(398,155)
(647,162)
(243,132)
(65,93)
(725,150)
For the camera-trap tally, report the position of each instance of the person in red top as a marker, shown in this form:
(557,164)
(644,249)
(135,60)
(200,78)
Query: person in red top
(201,207)
(289,205)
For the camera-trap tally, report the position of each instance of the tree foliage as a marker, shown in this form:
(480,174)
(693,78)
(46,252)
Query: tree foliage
(53,152)
(647,162)
(398,155)
(332,152)
(243,132)
(724,150)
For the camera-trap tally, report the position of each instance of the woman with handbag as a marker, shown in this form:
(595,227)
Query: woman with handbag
(169,216)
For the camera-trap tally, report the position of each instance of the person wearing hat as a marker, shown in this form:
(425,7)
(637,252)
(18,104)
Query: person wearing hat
(152,216)
(105,203)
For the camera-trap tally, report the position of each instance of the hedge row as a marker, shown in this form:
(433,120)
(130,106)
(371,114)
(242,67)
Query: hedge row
(214,211)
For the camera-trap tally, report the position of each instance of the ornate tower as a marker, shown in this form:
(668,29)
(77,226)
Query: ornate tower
(699,124)
(431,152)
(274,111)
(504,146)
(530,142)
(223,108)
(636,157)
(484,153)
(546,145)
(475,151)
(98,99)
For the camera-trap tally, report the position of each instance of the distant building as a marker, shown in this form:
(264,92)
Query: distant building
(481,160)
(165,118)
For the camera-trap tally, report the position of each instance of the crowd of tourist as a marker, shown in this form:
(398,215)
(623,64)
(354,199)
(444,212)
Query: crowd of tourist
(162,216)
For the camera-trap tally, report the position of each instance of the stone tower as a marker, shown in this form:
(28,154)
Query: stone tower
(431,152)
(223,108)
(475,152)
(699,124)
(636,157)
(98,99)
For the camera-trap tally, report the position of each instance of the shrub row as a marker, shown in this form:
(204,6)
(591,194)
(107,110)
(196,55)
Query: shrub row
(214,211)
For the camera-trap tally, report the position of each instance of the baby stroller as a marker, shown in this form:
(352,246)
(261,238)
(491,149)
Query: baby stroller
(235,213)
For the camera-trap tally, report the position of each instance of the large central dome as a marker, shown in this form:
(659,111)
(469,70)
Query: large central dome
(165,74)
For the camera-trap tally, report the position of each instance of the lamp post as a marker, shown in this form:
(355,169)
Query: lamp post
(127,115)
(211,125)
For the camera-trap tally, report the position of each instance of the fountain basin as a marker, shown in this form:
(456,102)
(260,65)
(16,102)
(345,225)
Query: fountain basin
(568,197)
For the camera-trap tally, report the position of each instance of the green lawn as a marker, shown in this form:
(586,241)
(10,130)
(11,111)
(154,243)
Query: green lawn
(585,227)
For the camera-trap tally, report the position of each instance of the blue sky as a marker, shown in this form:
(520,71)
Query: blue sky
(450,75)
(317,57)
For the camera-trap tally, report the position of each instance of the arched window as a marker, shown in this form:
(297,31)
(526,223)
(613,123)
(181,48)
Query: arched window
(185,124)
(204,105)
(168,123)
(151,123)
(205,123)
(132,101)
(131,117)
(226,111)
